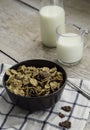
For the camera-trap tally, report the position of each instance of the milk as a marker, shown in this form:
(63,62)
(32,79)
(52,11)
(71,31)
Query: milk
(50,17)
(69,48)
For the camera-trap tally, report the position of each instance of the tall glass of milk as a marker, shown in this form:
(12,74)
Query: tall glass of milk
(70,44)
(51,15)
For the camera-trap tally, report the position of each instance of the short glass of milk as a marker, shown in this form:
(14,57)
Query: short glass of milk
(70,44)
(51,15)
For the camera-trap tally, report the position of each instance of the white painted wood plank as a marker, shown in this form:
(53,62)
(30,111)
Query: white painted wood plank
(5,59)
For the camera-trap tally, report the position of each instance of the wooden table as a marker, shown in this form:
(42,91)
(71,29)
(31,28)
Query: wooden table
(20,34)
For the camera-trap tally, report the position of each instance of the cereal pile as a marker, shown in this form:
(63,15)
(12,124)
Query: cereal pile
(31,81)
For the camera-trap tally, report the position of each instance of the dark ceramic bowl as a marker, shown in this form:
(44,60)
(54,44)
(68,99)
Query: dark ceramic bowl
(37,103)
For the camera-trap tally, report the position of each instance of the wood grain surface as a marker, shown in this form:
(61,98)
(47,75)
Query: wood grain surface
(20,34)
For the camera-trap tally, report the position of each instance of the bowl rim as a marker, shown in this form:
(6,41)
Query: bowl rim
(37,97)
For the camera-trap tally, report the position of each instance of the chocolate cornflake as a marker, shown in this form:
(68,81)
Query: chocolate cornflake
(61,115)
(66,108)
(65,124)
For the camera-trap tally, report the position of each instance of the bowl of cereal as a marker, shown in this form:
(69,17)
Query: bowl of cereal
(35,84)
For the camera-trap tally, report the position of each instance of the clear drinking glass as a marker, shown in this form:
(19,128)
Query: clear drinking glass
(51,15)
(70,44)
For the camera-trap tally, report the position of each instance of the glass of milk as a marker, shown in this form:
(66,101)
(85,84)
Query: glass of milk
(51,15)
(70,44)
